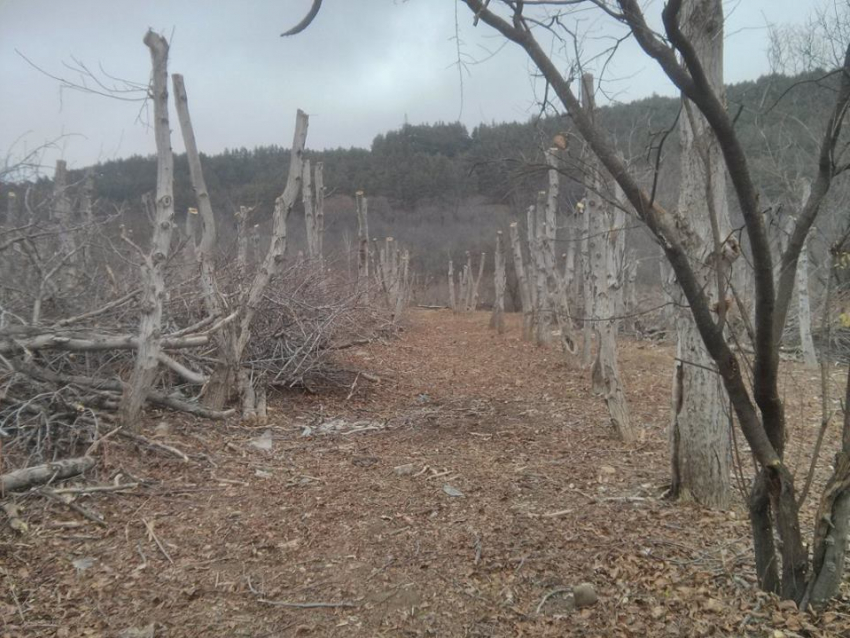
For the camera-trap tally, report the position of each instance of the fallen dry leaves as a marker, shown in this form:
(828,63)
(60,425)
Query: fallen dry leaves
(476,478)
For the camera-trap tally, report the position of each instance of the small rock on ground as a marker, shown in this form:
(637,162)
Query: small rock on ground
(585,595)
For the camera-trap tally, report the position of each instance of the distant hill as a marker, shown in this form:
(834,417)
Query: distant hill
(447,189)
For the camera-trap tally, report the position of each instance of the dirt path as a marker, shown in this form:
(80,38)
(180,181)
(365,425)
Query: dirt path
(476,478)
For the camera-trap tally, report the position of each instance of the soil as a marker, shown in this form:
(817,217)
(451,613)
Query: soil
(462,486)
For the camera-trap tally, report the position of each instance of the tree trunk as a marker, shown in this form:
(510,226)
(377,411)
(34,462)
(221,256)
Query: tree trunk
(542,309)
(222,385)
(531,273)
(319,186)
(153,279)
(227,380)
(38,474)
(630,292)
(522,281)
(558,301)
(700,439)
(588,307)
(804,312)
(363,245)
(571,256)
(403,285)
(242,241)
(63,215)
(452,297)
(589,311)
(277,247)
(190,251)
(309,212)
(605,374)
(87,212)
(497,319)
(474,303)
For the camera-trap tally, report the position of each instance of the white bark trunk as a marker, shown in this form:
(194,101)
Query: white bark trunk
(319,186)
(542,309)
(630,292)
(242,240)
(804,312)
(699,434)
(402,288)
(222,384)
(38,474)
(497,319)
(309,211)
(153,280)
(531,273)
(363,245)
(277,248)
(452,297)
(606,260)
(475,286)
(570,258)
(603,265)
(87,212)
(64,217)
(587,103)
(522,281)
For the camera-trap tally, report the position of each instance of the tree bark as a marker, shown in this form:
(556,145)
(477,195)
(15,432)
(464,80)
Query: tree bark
(606,370)
(40,474)
(277,248)
(221,386)
(242,259)
(588,306)
(542,308)
(475,286)
(63,216)
(804,311)
(700,439)
(522,281)
(153,278)
(452,297)
(497,318)
(319,186)
(309,211)
(605,374)
(363,245)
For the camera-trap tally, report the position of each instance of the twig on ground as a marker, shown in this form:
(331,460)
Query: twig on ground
(554,592)
(556,514)
(353,387)
(79,509)
(95,444)
(95,488)
(318,605)
(152,535)
(155,444)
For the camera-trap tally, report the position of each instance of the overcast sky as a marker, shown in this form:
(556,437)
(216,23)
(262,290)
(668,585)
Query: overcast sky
(363,67)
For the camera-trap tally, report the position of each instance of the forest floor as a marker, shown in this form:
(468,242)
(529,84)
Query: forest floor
(462,493)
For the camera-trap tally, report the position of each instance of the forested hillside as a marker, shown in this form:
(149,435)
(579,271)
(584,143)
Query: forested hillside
(445,189)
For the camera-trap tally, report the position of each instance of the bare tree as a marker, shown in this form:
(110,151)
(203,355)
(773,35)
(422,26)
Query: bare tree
(604,254)
(700,440)
(804,310)
(363,243)
(153,263)
(497,318)
(522,281)
(759,410)
(452,297)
